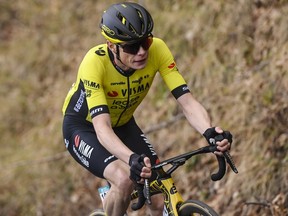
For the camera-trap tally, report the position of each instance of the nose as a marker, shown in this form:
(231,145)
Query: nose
(141,51)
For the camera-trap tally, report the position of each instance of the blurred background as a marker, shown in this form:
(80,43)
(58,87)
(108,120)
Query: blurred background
(234,56)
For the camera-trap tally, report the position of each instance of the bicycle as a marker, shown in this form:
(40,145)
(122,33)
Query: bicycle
(173,201)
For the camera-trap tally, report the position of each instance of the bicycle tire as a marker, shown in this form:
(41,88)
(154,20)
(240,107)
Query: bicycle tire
(195,208)
(97,212)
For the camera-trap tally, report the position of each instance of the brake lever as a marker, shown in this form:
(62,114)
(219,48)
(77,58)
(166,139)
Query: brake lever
(226,154)
(146,191)
(230,161)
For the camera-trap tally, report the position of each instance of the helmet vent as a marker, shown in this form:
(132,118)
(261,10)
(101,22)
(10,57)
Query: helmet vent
(142,21)
(131,28)
(121,33)
(121,18)
(140,15)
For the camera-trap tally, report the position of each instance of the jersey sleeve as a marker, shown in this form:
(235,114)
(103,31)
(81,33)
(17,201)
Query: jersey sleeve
(92,72)
(169,71)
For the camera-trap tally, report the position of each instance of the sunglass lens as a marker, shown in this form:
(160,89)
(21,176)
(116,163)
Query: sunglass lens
(134,48)
(131,48)
(146,43)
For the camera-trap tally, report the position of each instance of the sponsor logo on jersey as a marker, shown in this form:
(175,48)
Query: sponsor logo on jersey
(91,84)
(172,65)
(100,52)
(82,147)
(123,104)
(135,90)
(109,158)
(88,92)
(146,76)
(138,80)
(81,157)
(185,88)
(96,110)
(80,101)
(152,150)
(118,83)
(77,140)
(112,94)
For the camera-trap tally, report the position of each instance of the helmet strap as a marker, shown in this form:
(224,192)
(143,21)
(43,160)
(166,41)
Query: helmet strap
(118,54)
(128,72)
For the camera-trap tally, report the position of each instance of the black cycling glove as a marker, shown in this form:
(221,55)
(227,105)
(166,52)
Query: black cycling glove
(212,136)
(136,163)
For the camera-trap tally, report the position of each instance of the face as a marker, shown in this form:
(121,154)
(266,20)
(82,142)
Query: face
(133,55)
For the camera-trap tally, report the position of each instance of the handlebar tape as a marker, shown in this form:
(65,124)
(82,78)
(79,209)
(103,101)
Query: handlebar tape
(222,169)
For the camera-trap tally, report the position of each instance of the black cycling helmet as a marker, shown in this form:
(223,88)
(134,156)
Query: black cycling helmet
(126,22)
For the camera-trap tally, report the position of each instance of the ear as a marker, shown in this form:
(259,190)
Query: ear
(111,46)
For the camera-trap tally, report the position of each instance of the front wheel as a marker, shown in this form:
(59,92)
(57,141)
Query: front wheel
(194,208)
(97,212)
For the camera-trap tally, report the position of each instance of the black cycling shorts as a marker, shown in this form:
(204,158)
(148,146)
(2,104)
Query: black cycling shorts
(82,143)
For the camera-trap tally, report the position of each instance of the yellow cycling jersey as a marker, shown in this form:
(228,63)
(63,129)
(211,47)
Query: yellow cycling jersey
(101,87)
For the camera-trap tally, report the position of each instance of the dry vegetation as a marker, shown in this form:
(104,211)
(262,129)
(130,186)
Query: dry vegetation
(234,55)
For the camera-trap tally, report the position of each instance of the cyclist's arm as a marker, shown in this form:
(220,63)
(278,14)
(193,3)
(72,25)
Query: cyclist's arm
(195,113)
(193,110)
(109,139)
(113,144)
(198,117)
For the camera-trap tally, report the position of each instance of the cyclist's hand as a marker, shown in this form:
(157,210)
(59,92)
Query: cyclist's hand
(216,136)
(140,168)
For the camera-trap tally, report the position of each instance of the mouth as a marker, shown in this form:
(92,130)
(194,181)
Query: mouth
(140,61)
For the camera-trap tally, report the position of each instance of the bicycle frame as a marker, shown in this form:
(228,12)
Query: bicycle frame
(165,186)
(172,198)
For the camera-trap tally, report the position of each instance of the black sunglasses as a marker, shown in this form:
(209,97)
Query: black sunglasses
(133,48)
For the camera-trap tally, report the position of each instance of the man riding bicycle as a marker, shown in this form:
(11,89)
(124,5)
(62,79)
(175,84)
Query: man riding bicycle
(99,129)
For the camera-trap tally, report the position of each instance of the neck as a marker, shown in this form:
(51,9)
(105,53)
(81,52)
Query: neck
(120,64)
(122,68)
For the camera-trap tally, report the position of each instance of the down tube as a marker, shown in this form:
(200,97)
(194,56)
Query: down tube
(172,197)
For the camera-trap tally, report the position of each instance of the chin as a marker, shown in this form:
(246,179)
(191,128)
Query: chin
(139,66)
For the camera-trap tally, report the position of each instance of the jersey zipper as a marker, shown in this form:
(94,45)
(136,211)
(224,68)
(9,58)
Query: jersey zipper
(127,104)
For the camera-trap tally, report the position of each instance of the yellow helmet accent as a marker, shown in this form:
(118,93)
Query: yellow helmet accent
(113,40)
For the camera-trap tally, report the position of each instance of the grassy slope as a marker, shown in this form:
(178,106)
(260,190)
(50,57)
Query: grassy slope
(233,55)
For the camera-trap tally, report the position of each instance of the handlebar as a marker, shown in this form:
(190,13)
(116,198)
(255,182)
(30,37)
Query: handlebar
(144,190)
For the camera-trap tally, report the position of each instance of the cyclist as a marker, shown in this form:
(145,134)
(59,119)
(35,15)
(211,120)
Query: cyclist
(99,129)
